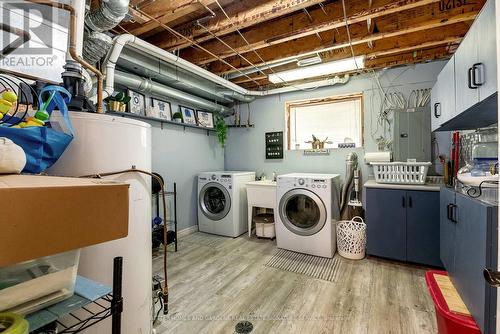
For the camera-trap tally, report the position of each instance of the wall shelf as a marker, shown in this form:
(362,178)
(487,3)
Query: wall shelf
(159,120)
(241,126)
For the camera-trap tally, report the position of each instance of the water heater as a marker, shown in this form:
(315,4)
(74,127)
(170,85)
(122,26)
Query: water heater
(102,144)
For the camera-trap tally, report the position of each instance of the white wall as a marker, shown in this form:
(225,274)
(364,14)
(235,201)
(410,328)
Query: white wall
(246,148)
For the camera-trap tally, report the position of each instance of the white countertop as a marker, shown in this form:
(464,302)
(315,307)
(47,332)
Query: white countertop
(262,183)
(424,187)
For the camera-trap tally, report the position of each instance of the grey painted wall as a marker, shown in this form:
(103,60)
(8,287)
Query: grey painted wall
(245,148)
(179,155)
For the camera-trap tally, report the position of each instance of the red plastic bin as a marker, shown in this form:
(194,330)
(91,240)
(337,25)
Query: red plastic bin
(447,321)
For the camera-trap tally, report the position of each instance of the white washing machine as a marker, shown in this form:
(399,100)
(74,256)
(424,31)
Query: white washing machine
(222,202)
(308,207)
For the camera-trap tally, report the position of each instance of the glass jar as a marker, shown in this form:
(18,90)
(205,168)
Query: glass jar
(484,158)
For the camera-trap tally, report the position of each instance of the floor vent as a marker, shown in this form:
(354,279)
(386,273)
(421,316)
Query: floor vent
(243,327)
(309,265)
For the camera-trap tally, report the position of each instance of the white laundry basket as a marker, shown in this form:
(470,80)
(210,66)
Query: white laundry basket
(351,238)
(400,172)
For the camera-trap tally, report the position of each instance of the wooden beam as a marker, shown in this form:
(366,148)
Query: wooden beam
(220,25)
(297,26)
(170,12)
(416,53)
(137,15)
(427,45)
(291,50)
(309,46)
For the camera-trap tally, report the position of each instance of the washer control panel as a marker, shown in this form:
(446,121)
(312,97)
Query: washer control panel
(310,183)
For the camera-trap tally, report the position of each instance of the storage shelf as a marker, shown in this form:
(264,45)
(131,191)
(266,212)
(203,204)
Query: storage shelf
(91,303)
(159,120)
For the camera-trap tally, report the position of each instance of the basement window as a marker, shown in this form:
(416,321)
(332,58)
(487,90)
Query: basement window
(333,120)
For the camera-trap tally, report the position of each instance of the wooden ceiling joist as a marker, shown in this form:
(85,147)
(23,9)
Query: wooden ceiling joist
(174,11)
(221,25)
(292,49)
(298,25)
(389,47)
(236,36)
(426,45)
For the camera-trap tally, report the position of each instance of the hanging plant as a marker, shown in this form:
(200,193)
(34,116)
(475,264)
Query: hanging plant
(221,128)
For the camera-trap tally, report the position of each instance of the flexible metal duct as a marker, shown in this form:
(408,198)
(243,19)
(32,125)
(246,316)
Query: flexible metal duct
(147,86)
(96,46)
(351,163)
(107,15)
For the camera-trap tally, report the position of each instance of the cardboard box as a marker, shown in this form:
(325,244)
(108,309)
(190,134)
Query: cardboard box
(45,215)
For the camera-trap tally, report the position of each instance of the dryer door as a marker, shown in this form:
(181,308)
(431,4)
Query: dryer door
(214,201)
(302,212)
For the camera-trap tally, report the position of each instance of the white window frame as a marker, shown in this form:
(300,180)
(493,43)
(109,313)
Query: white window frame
(306,103)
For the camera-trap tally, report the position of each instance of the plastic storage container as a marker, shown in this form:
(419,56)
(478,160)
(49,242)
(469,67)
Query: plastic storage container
(32,285)
(447,321)
(264,226)
(400,172)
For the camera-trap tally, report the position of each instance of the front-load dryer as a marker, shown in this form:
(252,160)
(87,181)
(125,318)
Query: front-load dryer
(222,202)
(307,213)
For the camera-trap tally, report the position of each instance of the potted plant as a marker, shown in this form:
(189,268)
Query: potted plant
(221,128)
(118,102)
(177,117)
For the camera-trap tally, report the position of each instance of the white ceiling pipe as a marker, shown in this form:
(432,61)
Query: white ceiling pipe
(148,86)
(126,39)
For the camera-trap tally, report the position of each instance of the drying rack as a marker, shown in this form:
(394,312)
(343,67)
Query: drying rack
(173,221)
(92,303)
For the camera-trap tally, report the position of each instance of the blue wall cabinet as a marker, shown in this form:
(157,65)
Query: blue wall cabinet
(469,244)
(403,225)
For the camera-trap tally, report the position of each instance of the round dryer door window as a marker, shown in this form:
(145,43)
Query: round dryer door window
(302,212)
(215,201)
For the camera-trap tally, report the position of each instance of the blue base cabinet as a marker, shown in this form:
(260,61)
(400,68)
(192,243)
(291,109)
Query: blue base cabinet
(403,225)
(469,243)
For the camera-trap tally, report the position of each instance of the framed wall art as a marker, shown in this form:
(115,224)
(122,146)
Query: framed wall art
(137,104)
(205,118)
(162,109)
(188,115)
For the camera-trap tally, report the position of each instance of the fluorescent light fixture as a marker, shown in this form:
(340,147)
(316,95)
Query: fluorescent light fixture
(309,61)
(333,67)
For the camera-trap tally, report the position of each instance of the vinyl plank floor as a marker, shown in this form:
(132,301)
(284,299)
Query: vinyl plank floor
(216,282)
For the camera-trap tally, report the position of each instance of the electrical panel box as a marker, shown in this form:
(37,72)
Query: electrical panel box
(274,145)
(412,134)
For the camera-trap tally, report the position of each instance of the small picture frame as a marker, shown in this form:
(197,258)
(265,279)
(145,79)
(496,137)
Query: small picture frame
(188,115)
(137,104)
(162,109)
(205,118)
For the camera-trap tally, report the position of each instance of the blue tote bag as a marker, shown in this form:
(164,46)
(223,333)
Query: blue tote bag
(43,145)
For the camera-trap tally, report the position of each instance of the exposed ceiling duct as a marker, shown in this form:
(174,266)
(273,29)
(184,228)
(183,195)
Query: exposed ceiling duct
(134,61)
(106,15)
(121,41)
(148,86)
(96,46)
